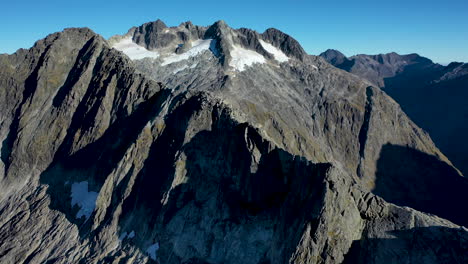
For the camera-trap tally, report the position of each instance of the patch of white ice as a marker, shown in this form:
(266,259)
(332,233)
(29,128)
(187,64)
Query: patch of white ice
(240,58)
(151,250)
(124,235)
(277,53)
(133,50)
(180,69)
(85,199)
(198,46)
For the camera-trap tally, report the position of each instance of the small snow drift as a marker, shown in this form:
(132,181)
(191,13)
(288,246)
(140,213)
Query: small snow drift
(85,199)
(126,235)
(240,58)
(123,236)
(133,50)
(152,249)
(180,69)
(277,53)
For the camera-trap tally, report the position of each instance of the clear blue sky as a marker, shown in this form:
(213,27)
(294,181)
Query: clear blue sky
(435,29)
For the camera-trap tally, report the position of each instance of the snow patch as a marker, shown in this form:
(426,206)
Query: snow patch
(133,50)
(240,58)
(277,53)
(180,69)
(198,46)
(151,250)
(85,199)
(124,235)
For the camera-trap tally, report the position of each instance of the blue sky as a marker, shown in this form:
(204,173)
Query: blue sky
(435,29)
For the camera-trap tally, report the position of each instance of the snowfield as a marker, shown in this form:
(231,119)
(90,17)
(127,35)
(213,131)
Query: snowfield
(125,235)
(240,58)
(137,52)
(151,250)
(133,50)
(85,199)
(198,46)
(277,53)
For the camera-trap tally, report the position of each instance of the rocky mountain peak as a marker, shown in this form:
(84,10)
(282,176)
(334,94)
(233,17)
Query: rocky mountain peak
(152,35)
(235,49)
(74,34)
(333,56)
(186,24)
(376,68)
(198,144)
(153,27)
(286,43)
(268,44)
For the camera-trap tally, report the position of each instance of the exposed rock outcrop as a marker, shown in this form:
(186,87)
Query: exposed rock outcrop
(191,158)
(431,94)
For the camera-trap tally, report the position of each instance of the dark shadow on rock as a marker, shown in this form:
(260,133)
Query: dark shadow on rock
(257,188)
(434,244)
(94,162)
(30,87)
(158,171)
(81,64)
(437,107)
(408,177)
(347,64)
(280,196)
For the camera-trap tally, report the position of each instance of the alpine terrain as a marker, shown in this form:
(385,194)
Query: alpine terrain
(195,144)
(434,96)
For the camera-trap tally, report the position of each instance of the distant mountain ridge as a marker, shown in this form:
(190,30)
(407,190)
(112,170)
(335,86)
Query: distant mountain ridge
(433,95)
(376,68)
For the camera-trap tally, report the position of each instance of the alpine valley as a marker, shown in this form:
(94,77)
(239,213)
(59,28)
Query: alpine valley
(434,96)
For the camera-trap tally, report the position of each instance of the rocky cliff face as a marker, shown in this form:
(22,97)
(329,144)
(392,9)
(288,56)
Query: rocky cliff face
(431,94)
(213,145)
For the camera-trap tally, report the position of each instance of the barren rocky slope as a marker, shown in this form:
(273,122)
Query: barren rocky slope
(213,145)
(432,95)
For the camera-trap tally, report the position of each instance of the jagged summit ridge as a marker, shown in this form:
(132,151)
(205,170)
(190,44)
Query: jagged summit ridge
(334,57)
(375,68)
(235,48)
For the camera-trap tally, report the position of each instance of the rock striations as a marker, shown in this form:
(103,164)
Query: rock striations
(210,144)
(431,94)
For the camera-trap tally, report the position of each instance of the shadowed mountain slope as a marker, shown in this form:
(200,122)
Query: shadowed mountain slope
(431,94)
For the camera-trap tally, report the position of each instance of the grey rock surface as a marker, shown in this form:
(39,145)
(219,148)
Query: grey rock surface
(109,160)
(431,94)
(335,58)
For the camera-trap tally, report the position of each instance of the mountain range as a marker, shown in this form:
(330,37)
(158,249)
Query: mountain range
(432,95)
(195,144)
